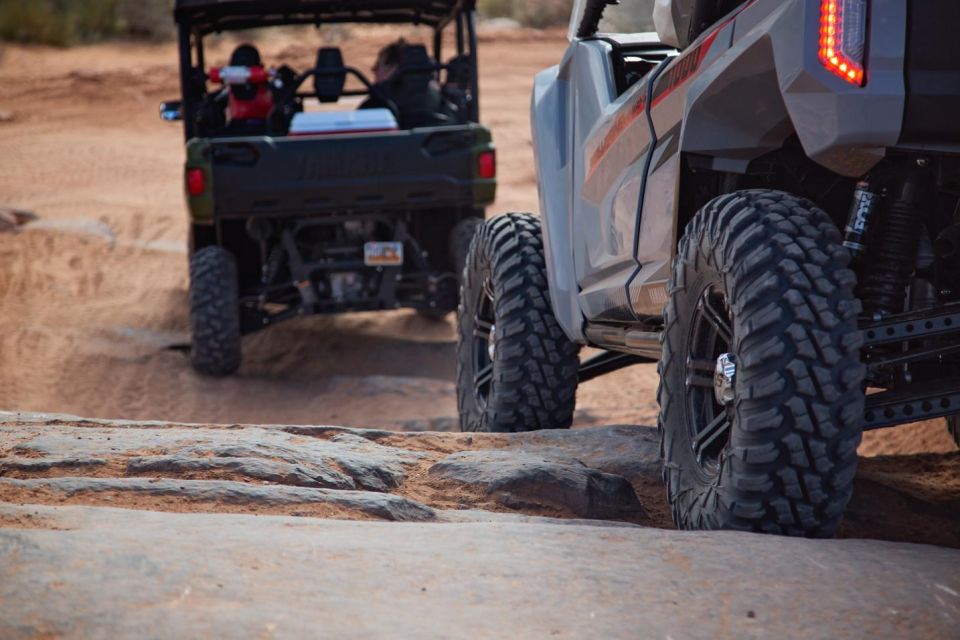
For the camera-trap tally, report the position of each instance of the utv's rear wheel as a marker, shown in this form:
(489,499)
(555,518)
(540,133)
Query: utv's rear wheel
(214,312)
(761,386)
(516,369)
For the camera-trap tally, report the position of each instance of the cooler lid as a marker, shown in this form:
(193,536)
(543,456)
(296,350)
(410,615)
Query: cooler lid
(326,122)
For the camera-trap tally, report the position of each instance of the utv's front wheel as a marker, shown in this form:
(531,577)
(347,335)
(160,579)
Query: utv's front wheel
(761,394)
(516,369)
(214,312)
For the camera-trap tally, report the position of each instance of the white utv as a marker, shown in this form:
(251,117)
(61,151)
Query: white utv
(764,199)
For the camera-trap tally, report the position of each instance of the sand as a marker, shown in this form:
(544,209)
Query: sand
(93,317)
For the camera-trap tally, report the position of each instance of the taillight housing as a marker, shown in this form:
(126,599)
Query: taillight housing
(843,38)
(196,182)
(487,165)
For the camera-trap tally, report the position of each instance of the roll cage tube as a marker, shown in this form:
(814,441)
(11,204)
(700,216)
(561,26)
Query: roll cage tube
(191,51)
(186,81)
(470,19)
(371,88)
(589,19)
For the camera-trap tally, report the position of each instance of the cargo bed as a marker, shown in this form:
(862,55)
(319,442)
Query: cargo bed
(345,173)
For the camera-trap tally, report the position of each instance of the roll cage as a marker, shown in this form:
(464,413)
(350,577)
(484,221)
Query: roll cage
(197,19)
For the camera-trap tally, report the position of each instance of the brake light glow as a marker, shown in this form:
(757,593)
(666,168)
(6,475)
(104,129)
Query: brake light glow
(843,35)
(487,165)
(196,182)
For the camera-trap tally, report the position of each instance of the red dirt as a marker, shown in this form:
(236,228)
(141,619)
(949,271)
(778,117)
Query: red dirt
(93,296)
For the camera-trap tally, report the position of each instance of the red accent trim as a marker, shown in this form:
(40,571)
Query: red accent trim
(687,65)
(620,124)
(258,75)
(679,71)
(682,68)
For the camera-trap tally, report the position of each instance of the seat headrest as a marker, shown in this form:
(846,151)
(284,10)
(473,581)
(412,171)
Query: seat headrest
(458,70)
(331,76)
(416,70)
(414,55)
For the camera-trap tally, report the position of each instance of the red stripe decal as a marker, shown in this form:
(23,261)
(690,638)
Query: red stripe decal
(620,124)
(679,71)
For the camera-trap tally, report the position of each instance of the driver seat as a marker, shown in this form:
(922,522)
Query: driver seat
(414,91)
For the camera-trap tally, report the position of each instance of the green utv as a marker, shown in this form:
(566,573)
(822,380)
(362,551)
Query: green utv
(299,208)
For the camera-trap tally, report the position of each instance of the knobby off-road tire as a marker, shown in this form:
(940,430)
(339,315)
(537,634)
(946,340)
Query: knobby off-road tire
(781,454)
(214,312)
(516,369)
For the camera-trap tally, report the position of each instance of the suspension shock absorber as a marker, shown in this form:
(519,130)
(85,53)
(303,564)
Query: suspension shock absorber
(863,212)
(892,253)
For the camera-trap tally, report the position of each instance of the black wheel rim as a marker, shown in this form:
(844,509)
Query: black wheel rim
(708,420)
(484,336)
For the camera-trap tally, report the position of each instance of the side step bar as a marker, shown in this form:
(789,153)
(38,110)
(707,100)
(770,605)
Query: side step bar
(914,325)
(645,344)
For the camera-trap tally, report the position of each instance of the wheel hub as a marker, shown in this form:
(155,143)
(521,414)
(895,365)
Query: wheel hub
(723,379)
(491,341)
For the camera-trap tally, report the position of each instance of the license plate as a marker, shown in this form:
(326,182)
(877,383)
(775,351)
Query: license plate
(383,254)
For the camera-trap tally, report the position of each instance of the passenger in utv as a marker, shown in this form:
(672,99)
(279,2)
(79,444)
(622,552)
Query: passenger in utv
(402,77)
(248,104)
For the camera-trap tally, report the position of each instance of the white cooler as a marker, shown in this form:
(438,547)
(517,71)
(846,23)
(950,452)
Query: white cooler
(333,122)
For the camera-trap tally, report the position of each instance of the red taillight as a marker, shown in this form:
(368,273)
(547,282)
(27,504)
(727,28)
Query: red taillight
(487,165)
(196,182)
(843,35)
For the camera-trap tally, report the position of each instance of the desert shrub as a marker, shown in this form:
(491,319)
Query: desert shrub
(58,22)
(627,16)
(152,19)
(542,13)
(496,8)
(529,13)
(66,22)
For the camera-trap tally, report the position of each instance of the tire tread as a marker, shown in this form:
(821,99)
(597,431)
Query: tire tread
(790,466)
(214,312)
(535,371)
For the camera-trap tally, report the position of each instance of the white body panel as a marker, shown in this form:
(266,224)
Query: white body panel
(609,166)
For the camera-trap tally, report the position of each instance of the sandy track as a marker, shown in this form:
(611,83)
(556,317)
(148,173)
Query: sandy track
(93,297)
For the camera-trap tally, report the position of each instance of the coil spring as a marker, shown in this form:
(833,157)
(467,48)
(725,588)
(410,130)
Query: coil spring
(893,253)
